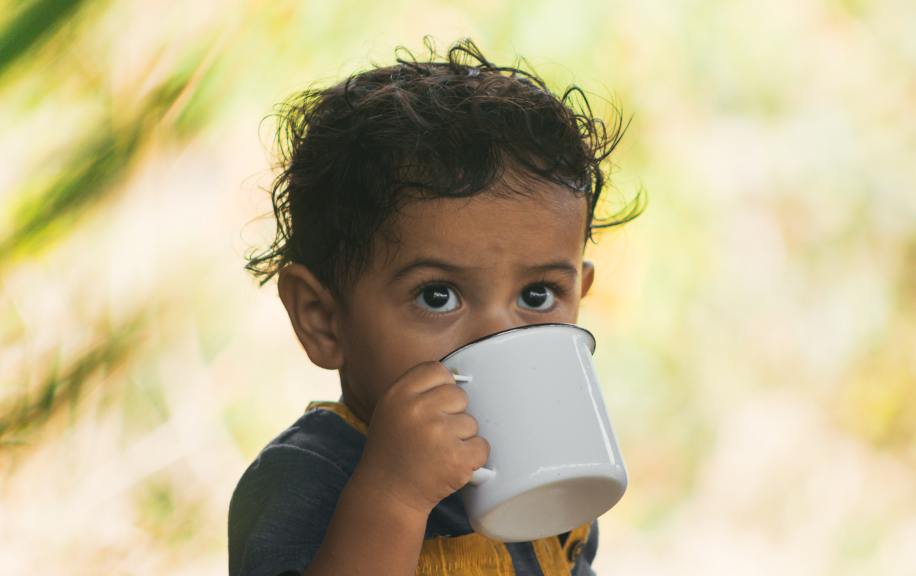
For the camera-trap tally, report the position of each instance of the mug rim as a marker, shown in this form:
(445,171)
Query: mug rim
(517,329)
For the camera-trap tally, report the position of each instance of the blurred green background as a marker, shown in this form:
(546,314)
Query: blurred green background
(756,326)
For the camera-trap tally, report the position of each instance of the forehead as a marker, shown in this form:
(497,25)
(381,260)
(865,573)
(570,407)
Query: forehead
(503,226)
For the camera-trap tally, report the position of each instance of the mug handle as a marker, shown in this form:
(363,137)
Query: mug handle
(480,475)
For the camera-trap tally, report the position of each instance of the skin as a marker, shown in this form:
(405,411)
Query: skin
(479,254)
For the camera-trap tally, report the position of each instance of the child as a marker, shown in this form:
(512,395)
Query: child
(421,206)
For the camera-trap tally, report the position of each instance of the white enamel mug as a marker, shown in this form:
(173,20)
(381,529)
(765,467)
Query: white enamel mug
(554,460)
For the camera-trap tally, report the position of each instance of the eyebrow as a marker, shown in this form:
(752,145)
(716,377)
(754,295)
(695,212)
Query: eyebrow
(565,268)
(421,263)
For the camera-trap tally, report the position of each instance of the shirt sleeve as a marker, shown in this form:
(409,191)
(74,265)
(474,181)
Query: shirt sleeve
(280,511)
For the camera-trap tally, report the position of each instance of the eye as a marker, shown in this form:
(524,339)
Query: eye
(437,298)
(537,297)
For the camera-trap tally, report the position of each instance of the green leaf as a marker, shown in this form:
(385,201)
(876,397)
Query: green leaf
(98,165)
(64,386)
(34,22)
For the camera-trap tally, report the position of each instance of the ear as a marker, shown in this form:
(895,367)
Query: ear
(588,276)
(314,314)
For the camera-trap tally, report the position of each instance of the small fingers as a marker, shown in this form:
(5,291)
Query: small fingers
(449,398)
(465,426)
(427,376)
(478,450)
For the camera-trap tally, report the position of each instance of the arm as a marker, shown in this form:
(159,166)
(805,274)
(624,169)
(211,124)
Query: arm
(370,533)
(421,447)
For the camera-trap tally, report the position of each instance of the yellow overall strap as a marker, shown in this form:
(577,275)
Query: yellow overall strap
(468,555)
(341,410)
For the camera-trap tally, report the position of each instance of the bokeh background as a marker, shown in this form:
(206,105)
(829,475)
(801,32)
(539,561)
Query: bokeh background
(756,326)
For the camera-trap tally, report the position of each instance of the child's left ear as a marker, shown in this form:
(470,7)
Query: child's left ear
(588,276)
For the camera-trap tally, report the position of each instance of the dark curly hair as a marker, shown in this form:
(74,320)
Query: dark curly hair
(452,126)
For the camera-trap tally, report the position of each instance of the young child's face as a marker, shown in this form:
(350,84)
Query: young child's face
(461,269)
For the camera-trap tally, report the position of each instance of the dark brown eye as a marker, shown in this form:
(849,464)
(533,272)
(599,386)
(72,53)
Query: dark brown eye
(537,297)
(438,298)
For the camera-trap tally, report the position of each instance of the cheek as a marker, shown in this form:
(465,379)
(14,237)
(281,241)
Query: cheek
(378,351)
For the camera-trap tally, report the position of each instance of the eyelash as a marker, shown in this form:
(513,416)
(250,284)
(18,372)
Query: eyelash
(557,290)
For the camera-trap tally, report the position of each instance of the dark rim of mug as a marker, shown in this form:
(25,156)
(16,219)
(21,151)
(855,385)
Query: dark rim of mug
(518,329)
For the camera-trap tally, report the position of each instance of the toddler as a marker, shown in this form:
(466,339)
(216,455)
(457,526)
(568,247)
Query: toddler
(420,207)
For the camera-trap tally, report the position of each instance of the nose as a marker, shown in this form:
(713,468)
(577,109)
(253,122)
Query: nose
(495,320)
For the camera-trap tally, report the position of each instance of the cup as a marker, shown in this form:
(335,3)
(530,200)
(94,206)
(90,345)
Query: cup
(554,462)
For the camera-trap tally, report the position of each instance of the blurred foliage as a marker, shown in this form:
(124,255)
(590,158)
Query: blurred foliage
(48,209)
(164,515)
(31,23)
(64,385)
(777,260)
(97,168)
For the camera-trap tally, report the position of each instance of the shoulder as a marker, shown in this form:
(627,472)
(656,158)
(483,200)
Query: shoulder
(284,501)
(321,435)
(317,452)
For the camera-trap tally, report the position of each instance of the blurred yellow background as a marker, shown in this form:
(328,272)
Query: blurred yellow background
(756,326)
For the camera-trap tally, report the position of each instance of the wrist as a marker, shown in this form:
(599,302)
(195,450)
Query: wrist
(388,492)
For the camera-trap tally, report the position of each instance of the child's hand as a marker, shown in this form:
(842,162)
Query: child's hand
(422,446)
